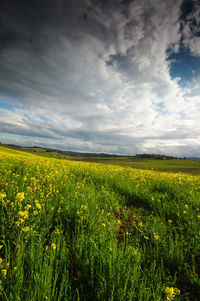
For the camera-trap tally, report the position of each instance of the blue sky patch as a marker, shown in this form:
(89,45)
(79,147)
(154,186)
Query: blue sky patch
(185,66)
(9,106)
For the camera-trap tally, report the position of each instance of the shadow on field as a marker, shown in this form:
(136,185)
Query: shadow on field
(131,198)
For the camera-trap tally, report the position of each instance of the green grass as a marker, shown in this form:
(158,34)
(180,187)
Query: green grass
(96,231)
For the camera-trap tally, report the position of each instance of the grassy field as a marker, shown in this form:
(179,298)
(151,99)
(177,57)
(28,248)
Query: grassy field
(175,165)
(80,231)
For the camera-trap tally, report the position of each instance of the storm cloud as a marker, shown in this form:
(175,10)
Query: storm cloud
(96,75)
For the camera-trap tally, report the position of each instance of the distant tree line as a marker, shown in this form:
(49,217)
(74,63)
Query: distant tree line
(156,157)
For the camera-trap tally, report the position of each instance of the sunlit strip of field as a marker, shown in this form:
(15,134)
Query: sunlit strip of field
(80,231)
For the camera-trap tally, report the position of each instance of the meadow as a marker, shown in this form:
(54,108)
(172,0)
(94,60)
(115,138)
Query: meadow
(73,230)
(172,165)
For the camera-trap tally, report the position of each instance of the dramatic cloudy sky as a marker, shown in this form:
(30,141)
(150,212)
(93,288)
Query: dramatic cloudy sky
(116,76)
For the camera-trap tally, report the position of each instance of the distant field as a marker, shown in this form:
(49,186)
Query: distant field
(79,231)
(176,165)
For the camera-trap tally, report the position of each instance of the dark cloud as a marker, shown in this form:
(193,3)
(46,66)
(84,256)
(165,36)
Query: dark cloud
(186,9)
(190,25)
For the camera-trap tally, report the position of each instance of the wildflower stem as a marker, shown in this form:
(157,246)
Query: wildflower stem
(13,257)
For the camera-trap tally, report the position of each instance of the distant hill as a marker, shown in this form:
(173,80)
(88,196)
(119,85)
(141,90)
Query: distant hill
(37,149)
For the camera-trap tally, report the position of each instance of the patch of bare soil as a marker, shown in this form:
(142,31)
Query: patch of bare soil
(130,219)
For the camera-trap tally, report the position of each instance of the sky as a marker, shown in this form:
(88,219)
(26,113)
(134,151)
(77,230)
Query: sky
(115,76)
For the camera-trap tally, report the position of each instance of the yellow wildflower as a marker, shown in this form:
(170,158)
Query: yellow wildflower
(35,212)
(84,207)
(57,231)
(20,197)
(37,204)
(186,206)
(157,237)
(1,246)
(20,221)
(4,271)
(59,209)
(140,224)
(103,225)
(135,251)
(2,195)
(25,229)
(53,246)
(23,214)
(171,293)
(169,221)
(1,260)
